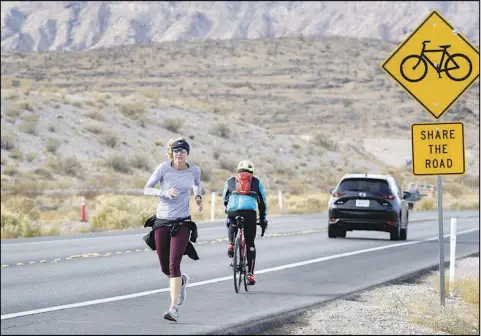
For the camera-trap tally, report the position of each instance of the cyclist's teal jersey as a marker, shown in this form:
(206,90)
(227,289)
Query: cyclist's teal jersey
(233,201)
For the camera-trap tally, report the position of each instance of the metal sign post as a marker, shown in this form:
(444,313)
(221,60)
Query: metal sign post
(441,238)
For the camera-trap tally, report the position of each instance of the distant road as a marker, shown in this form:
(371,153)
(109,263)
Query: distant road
(109,283)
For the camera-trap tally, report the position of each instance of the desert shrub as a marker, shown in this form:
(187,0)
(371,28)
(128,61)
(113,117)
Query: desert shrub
(95,115)
(70,166)
(110,138)
(29,124)
(140,162)
(173,124)
(15,155)
(18,217)
(133,110)
(7,142)
(31,156)
(121,212)
(119,163)
(52,145)
(220,129)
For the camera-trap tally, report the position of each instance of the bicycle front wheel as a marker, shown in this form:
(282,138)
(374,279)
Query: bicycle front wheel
(462,67)
(236,265)
(412,70)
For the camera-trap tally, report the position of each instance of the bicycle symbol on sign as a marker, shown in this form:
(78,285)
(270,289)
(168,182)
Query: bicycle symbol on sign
(421,59)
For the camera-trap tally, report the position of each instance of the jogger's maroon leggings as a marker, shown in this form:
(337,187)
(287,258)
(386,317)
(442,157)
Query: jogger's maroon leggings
(171,249)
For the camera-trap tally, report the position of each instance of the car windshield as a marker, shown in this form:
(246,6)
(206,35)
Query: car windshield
(374,186)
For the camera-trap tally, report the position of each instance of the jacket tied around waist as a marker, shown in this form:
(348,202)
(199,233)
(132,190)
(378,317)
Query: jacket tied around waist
(174,226)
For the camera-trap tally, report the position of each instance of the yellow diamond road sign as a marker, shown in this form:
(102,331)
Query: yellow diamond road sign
(438,148)
(435,64)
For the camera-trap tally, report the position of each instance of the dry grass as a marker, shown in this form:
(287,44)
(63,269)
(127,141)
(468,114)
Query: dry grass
(426,204)
(460,316)
(18,218)
(119,212)
(466,201)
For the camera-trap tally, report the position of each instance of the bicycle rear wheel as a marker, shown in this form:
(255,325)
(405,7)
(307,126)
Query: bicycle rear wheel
(236,265)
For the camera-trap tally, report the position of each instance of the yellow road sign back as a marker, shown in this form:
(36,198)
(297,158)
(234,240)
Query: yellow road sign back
(438,148)
(435,64)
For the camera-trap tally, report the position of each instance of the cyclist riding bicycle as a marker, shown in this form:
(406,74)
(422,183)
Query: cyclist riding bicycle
(242,194)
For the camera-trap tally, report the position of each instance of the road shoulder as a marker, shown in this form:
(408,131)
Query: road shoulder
(406,307)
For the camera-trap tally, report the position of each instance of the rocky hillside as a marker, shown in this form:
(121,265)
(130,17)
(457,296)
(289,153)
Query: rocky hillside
(81,25)
(305,110)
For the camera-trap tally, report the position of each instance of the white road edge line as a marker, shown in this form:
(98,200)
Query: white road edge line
(206,282)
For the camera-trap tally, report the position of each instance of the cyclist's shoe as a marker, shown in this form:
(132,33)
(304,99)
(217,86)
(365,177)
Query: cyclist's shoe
(230,250)
(183,291)
(251,280)
(172,314)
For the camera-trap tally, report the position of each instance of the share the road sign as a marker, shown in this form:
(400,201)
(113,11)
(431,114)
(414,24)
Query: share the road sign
(438,148)
(435,64)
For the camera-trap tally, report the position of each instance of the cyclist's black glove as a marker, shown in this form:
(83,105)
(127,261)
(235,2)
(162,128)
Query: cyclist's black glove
(263,223)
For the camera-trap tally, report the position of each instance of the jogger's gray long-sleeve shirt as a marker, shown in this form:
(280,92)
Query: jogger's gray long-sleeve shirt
(183,180)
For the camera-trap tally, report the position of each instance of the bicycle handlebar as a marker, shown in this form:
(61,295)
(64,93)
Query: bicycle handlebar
(424,42)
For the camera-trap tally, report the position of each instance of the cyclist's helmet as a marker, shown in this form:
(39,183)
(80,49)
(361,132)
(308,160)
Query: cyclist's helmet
(246,166)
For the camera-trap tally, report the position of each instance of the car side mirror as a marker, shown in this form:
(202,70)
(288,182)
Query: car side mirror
(331,190)
(406,194)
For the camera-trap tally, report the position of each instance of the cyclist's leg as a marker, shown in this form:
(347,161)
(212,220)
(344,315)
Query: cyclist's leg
(250,230)
(231,233)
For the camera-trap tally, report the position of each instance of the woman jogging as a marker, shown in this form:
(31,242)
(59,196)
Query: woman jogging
(177,178)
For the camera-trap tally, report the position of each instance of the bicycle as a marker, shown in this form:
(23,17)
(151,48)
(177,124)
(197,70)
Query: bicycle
(239,260)
(422,58)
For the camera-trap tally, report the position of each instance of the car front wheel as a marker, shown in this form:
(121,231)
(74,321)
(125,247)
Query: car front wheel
(404,232)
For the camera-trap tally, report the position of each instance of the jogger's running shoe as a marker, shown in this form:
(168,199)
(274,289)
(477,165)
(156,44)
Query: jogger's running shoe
(172,314)
(183,290)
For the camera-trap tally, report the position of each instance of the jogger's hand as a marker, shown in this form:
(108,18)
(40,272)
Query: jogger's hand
(200,205)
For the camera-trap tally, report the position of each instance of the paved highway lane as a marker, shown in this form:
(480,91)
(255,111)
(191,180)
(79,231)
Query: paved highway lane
(317,269)
(56,249)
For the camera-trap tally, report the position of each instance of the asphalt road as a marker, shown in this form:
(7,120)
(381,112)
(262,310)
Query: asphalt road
(111,284)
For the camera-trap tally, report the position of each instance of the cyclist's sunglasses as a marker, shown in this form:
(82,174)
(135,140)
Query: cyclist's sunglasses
(179,150)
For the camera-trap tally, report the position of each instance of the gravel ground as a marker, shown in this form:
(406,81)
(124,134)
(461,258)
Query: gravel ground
(390,310)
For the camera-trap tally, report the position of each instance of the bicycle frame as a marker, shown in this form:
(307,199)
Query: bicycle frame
(437,68)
